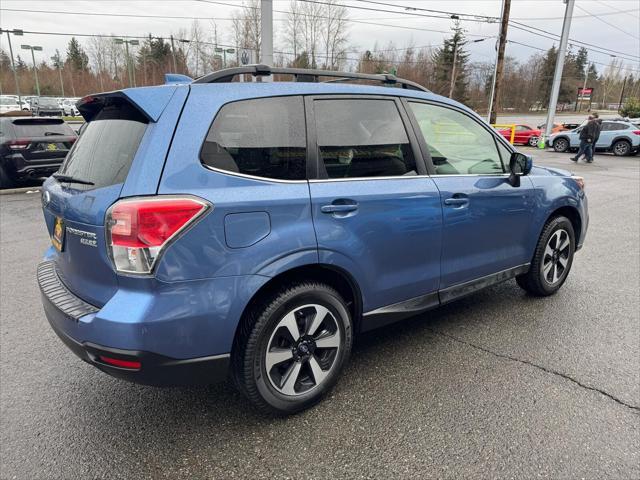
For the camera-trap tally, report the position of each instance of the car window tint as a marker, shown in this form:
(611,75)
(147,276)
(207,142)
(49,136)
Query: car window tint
(104,152)
(505,154)
(262,137)
(458,144)
(619,126)
(362,138)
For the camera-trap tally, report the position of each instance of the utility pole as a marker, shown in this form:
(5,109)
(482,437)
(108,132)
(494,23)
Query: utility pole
(173,54)
(130,66)
(557,76)
(584,86)
(453,70)
(13,64)
(57,62)
(497,74)
(266,34)
(624,84)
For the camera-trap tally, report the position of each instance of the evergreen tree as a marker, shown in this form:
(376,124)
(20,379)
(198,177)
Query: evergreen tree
(5,61)
(77,58)
(57,60)
(21,65)
(443,65)
(581,61)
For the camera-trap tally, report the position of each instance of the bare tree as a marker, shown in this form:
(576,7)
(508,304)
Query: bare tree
(246,26)
(312,23)
(293,28)
(335,33)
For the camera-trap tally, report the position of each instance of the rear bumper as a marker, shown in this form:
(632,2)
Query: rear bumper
(36,168)
(68,314)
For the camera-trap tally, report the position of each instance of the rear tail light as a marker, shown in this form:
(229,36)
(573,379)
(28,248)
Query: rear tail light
(637,132)
(138,230)
(18,144)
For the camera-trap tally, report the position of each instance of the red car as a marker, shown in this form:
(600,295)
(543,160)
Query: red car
(524,135)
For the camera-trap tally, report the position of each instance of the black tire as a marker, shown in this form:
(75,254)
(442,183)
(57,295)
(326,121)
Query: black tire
(541,279)
(621,148)
(5,180)
(262,328)
(533,141)
(561,145)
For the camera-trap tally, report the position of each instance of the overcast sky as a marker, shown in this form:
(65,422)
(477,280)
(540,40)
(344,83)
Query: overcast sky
(609,24)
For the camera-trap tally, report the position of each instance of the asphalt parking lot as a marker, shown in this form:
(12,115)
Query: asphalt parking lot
(498,385)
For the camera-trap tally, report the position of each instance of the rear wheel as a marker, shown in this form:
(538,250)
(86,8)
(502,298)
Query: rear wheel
(561,145)
(621,148)
(292,348)
(552,259)
(533,141)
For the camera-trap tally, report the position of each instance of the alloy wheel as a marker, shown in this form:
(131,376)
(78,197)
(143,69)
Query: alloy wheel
(302,350)
(556,257)
(621,148)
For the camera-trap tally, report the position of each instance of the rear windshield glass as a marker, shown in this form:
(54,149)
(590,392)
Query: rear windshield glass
(48,102)
(40,128)
(105,150)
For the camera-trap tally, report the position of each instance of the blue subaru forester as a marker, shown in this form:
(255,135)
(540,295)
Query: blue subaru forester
(212,228)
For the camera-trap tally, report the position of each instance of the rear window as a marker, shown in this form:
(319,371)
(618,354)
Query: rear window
(263,137)
(105,150)
(33,127)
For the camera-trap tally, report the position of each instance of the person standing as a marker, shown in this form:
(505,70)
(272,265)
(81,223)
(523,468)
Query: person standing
(597,128)
(586,141)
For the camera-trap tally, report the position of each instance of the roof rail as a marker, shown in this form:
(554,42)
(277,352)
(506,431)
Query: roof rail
(305,75)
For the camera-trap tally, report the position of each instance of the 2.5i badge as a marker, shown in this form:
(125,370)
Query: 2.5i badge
(58,234)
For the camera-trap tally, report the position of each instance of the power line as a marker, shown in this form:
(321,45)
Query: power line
(607,23)
(616,12)
(96,14)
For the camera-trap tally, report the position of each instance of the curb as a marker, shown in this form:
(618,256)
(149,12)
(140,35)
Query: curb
(10,191)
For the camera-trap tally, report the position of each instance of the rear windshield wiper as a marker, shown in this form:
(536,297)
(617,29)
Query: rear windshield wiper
(69,179)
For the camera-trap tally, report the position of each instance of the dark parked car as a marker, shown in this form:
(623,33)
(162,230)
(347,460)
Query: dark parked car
(46,107)
(209,228)
(32,147)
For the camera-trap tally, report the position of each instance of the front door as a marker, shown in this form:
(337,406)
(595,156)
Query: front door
(376,214)
(487,222)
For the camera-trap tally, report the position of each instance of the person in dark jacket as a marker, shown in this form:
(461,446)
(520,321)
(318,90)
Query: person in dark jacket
(597,128)
(587,134)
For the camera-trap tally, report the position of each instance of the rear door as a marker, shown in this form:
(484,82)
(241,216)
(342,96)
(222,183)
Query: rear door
(376,214)
(487,222)
(607,134)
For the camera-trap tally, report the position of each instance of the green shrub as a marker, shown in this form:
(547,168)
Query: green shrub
(631,108)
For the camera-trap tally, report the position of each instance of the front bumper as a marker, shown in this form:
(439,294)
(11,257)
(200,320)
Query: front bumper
(64,311)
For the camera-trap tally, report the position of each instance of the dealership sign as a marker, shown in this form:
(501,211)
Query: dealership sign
(585,93)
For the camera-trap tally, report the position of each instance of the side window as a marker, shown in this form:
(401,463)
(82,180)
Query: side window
(263,137)
(458,144)
(362,138)
(619,126)
(505,155)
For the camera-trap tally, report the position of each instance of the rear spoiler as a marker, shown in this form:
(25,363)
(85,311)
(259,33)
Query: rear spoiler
(149,101)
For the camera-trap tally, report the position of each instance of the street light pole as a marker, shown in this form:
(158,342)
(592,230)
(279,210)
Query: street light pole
(557,76)
(266,31)
(130,68)
(13,64)
(33,57)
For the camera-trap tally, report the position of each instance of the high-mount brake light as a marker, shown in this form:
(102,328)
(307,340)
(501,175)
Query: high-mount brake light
(139,229)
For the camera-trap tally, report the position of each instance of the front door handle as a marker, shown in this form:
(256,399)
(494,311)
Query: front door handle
(338,208)
(457,200)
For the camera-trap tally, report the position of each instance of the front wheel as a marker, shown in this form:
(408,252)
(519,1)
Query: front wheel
(552,259)
(561,145)
(292,348)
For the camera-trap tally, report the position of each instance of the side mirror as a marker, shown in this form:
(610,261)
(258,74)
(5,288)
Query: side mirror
(519,164)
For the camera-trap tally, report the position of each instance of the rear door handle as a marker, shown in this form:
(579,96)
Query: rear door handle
(338,208)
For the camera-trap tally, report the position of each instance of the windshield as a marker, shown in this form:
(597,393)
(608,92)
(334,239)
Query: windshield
(48,102)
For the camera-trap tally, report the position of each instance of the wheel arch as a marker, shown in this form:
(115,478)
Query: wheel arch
(331,275)
(621,138)
(562,137)
(574,217)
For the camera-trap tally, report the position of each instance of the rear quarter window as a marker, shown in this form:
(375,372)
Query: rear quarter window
(104,152)
(262,137)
